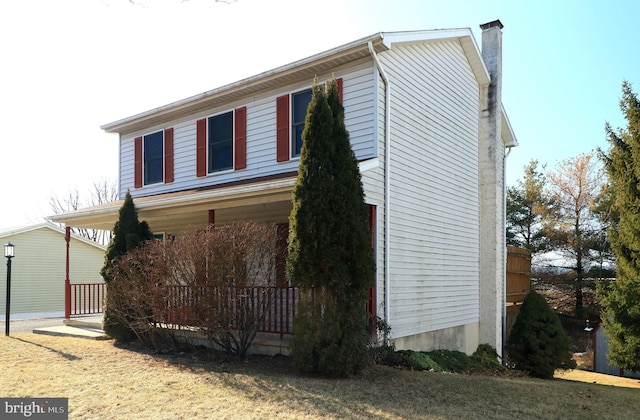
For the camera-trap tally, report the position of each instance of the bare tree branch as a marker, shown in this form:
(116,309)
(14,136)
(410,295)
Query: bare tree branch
(103,191)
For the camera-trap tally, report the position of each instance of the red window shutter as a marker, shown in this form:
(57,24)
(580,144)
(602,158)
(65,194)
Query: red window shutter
(339,82)
(240,141)
(137,162)
(201,147)
(282,128)
(168,155)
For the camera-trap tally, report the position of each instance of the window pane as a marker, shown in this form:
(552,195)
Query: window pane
(221,142)
(300,104)
(153,158)
(299,110)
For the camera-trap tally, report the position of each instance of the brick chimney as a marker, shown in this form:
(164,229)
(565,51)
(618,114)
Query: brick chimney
(492,213)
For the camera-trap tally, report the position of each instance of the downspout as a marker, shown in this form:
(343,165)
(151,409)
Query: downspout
(387,198)
(504,256)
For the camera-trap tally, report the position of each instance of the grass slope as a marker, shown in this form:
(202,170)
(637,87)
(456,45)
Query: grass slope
(105,381)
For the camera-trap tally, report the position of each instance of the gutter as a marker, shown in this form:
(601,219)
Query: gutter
(387,189)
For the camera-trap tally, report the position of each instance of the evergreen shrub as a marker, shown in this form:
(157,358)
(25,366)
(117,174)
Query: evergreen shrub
(538,345)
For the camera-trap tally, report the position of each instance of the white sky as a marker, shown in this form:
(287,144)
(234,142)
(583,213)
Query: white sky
(69,66)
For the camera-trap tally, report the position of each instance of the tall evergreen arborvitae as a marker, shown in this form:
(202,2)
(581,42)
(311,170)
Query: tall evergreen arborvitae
(128,233)
(330,257)
(621,304)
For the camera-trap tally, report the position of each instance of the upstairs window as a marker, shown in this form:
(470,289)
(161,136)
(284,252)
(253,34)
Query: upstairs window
(153,158)
(153,162)
(291,112)
(220,142)
(300,103)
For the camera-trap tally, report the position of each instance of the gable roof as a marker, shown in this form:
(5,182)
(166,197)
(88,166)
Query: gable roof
(47,225)
(306,68)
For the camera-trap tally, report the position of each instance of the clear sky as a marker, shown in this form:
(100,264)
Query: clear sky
(69,66)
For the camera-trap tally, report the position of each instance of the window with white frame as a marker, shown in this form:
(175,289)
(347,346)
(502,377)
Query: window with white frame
(220,142)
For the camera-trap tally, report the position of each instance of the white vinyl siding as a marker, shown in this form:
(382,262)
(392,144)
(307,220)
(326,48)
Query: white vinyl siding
(434,188)
(358,92)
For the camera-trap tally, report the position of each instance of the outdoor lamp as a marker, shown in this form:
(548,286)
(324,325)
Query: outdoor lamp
(8,252)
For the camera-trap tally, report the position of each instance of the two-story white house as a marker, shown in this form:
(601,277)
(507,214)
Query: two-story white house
(426,122)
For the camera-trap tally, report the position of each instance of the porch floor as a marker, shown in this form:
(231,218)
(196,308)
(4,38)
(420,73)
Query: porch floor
(83,327)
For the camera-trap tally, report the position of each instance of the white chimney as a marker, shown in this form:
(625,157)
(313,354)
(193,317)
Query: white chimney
(491,158)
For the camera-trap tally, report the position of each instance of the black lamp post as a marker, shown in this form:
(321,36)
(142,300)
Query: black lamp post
(8,252)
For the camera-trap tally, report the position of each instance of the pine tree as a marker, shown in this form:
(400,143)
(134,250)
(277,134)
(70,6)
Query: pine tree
(128,234)
(330,257)
(537,344)
(621,304)
(526,204)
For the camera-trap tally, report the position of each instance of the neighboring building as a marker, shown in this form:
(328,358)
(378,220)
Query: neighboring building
(427,125)
(601,362)
(38,270)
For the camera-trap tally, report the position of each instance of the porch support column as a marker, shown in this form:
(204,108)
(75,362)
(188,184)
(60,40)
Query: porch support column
(67,281)
(212,220)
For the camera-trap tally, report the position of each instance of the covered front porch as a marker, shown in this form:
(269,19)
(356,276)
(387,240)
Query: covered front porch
(262,201)
(173,214)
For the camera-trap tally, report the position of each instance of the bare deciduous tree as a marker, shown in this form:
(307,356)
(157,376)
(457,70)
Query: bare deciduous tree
(571,223)
(102,191)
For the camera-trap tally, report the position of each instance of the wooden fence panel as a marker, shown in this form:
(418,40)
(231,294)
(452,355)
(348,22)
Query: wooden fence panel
(518,274)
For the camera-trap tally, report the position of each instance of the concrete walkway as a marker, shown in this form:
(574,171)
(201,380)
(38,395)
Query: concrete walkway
(85,327)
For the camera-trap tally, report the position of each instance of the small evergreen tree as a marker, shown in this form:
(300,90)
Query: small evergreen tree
(538,345)
(128,233)
(330,257)
(621,304)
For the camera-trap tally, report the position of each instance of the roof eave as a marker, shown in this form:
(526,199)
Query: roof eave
(297,70)
(339,55)
(508,136)
(51,226)
(463,35)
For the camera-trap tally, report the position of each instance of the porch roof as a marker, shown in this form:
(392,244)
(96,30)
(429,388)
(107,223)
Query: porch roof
(262,201)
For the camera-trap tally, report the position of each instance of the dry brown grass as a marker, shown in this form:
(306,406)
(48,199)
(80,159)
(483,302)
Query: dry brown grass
(597,378)
(104,381)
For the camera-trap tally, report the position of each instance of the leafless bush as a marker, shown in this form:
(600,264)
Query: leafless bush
(216,285)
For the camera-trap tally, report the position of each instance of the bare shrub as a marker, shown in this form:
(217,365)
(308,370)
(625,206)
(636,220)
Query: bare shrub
(217,286)
(139,300)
